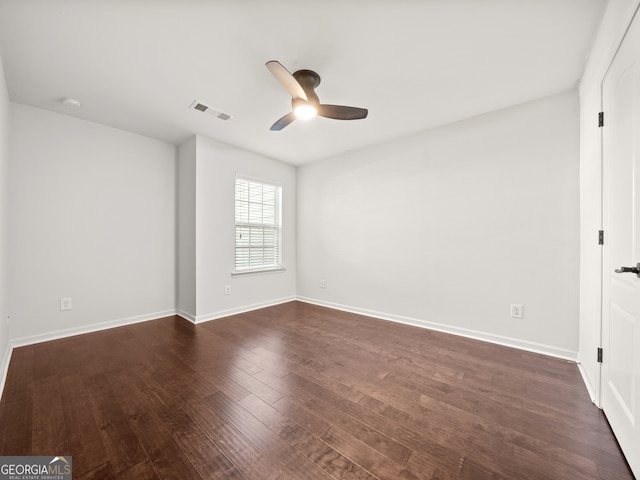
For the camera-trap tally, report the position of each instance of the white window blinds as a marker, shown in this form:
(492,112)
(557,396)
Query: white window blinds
(257,225)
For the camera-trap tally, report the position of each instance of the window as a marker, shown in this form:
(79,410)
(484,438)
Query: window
(257,226)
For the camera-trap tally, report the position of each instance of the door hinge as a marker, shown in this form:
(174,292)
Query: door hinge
(601,237)
(601,119)
(599,355)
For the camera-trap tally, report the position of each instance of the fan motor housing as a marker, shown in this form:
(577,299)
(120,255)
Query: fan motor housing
(307,77)
(308,80)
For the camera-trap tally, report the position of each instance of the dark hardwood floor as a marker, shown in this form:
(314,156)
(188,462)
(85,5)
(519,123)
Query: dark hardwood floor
(300,392)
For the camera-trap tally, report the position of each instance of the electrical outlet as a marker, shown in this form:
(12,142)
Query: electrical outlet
(227,289)
(516,310)
(65,303)
(323,284)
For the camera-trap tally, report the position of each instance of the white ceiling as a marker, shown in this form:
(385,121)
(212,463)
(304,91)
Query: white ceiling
(138,65)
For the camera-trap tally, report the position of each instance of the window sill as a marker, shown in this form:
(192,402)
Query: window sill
(256,271)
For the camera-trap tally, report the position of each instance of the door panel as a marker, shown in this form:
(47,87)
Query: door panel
(621,217)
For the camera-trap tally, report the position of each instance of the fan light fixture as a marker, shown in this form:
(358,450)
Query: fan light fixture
(305,111)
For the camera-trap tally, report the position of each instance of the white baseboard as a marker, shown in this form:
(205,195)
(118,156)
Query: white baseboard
(234,311)
(463,332)
(588,382)
(96,327)
(5,367)
(186,315)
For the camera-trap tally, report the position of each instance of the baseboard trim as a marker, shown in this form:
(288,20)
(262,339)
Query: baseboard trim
(235,311)
(96,327)
(187,316)
(463,332)
(588,385)
(5,367)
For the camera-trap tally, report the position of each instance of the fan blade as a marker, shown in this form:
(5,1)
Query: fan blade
(287,80)
(340,112)
(283,122)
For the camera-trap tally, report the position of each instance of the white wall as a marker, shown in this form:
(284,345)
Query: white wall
(186,248)
(614,23)
(214,170)
(449,227)
(4,226)
(92,218)
(218,164)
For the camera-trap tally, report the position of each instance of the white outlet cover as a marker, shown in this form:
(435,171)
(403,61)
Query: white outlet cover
(65,303)
(516,310)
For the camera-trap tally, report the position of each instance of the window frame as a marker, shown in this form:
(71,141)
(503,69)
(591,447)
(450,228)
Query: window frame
(262,268)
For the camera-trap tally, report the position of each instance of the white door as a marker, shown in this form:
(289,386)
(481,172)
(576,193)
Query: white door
(621,218)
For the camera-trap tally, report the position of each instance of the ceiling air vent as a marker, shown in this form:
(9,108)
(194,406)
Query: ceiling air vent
(203,107)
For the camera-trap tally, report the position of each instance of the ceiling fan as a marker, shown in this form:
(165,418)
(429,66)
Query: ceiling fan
(304,101)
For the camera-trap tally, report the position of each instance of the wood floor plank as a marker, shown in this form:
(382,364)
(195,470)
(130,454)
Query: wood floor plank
(492,443)
(83,433)
(305,418)
(492,440)
(49,429)
(16,414)
(167,458)
(378,464)
(294,435)
(265,439)
(101,472)
(236,447)
(300,392)
(120,440)
(322,402)
(252,384)
(278,366)
(203,453)
(44,361)
(142,470)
